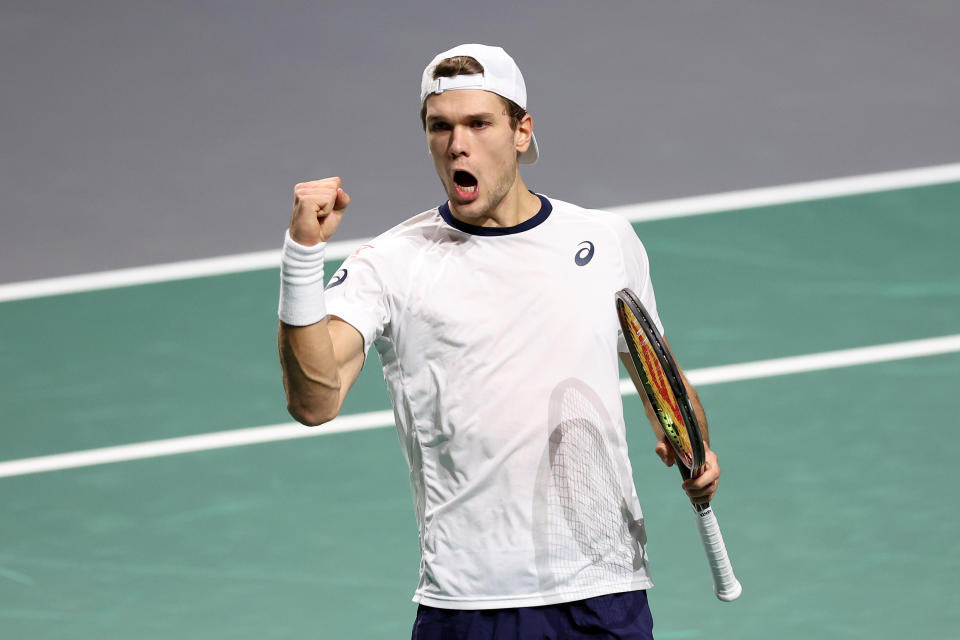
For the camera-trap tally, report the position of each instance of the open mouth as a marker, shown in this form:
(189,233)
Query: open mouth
(466,184)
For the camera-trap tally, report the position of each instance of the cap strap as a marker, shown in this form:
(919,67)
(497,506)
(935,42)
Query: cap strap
(442,84)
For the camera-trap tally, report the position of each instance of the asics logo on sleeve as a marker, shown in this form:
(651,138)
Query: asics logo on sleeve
(337,278)
(585,254)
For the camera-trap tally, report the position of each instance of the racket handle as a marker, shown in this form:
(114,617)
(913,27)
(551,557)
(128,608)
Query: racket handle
(725,584)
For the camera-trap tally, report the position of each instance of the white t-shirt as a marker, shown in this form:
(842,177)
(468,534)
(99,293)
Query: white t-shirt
(499,349)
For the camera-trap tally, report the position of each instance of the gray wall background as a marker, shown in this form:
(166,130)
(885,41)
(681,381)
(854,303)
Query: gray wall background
(143,132)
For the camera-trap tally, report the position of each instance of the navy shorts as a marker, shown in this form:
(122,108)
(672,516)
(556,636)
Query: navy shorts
(620,616)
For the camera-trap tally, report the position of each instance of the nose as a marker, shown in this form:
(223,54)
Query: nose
(459,144)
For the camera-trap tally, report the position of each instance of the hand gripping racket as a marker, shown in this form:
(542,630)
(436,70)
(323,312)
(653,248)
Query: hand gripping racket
(663,385)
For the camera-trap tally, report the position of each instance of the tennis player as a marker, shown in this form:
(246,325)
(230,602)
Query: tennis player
(493,315)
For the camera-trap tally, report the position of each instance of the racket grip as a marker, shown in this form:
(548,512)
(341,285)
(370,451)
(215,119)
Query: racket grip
(725,584)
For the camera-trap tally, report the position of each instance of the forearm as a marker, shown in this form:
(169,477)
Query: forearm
(648,408)
(699,489)
(698,410)
(321,355)
(311,376)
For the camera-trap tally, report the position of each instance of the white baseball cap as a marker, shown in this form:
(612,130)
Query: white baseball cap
(501,76)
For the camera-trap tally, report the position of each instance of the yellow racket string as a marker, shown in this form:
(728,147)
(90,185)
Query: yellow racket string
(665,403)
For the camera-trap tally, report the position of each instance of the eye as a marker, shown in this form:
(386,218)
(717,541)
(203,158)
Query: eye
(439,126)
(479,124)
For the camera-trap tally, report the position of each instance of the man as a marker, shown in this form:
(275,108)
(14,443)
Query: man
(494,318)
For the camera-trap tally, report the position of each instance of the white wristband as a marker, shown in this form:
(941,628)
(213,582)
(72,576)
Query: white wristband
(301,283)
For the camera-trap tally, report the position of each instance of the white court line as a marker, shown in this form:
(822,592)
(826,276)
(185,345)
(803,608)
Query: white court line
(376,419)
(816,361)
(190,444)
(786,194)
(716,203)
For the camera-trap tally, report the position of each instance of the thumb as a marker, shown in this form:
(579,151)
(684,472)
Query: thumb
(342,200)
(665,451)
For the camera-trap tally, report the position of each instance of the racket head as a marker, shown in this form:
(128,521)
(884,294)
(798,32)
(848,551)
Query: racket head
(661,379)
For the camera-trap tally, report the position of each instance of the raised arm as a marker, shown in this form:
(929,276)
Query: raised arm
(321,356)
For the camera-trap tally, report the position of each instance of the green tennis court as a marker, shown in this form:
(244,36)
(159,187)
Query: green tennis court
(835,500)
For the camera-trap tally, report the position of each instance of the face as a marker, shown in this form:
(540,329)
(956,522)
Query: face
(474,149)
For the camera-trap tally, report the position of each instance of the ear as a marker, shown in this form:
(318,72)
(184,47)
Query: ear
(524,133)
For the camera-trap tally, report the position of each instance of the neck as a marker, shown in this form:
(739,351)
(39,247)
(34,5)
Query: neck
(517,206)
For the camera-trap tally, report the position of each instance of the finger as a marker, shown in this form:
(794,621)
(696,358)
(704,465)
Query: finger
(313,202)
(700,496)
(705,475)
(334,181)
(327,185)
(320,202)
(700,484)
(326,192)
(665,452)
(702,487)
(343,200)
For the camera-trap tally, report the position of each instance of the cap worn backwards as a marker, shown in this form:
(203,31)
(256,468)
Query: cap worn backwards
(501,76)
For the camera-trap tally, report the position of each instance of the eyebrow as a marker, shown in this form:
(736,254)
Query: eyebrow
(469,117)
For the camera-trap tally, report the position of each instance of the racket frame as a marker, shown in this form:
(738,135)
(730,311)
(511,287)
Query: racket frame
(626,298)
(726,586)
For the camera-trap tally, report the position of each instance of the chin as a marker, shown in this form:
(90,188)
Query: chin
(475,209)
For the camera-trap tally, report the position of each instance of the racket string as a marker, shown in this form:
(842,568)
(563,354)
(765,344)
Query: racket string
(593,536)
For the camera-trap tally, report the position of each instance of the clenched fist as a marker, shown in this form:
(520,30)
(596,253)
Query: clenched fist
(318,207)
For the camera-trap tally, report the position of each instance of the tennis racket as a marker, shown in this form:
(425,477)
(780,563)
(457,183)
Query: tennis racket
(663,385)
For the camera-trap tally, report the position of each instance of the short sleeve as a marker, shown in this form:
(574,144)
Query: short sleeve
(637,267)
(357,295)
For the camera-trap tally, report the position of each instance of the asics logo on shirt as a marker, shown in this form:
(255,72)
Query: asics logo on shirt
(585,254)
(337,278)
